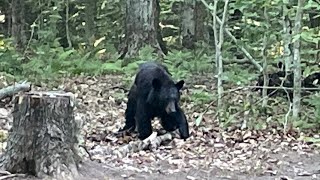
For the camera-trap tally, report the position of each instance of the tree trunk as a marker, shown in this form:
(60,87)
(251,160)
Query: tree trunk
(64,28)
(287,30)
(264,57)
(142,27)
(18,23)
(188,24)
(233,22)
(43,139)
(297,62)
(192,26)
(90,14)
(200,17)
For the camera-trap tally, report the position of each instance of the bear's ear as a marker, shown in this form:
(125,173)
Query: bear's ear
(179,84)
(281,66)
(156,84)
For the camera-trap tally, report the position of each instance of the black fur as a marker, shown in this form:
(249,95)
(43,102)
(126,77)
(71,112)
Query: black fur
(275,80)
(149,97)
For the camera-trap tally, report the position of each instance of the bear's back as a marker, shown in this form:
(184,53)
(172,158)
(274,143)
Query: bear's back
(148,72)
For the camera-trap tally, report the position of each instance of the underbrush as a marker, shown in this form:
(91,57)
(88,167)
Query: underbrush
(46,64)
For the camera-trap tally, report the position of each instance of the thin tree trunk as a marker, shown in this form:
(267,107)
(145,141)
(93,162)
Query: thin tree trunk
(142,27)
(297,62)
(218,45)
(287,45)
(67,24)
(234,21)
(18,23)
(264,54)
(90,14)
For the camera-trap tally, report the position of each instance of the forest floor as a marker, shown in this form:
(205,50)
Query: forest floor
(212,152)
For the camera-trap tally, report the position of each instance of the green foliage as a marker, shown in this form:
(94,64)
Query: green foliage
(314,101)
(10,59)
(200,96)
(238,75)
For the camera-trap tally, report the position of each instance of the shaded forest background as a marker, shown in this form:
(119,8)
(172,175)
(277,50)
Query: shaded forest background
(44,40)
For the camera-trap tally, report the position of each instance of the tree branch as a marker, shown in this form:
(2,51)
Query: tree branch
(246,53)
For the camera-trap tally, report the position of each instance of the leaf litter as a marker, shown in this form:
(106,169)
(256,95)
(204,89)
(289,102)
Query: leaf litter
(211,152)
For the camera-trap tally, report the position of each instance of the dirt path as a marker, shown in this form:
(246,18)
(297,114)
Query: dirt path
(289,165)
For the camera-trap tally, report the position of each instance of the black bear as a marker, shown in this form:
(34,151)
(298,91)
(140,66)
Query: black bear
(155,94)
(277,79)
(312,81)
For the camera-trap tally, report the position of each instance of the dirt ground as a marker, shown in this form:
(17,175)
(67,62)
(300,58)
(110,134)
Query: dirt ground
(293,166)
(210,153)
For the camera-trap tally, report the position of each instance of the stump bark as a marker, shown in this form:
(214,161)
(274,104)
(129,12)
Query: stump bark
(43,140)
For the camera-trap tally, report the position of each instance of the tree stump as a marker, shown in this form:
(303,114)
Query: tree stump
(43,140)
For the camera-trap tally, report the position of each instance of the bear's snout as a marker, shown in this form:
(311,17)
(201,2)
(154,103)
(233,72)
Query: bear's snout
(171,108)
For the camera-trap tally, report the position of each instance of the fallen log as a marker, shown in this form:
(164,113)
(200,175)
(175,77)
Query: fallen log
(14,89)
(43,141)
(150,143)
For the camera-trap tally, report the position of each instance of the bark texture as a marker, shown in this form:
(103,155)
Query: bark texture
(43,140)
(297,62)
(234,22)
(193,28)
(200,17)
(188,24)
(18,23)
(142,27)
(90,14)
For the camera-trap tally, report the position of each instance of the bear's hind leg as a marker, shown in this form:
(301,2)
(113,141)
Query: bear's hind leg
(143,120)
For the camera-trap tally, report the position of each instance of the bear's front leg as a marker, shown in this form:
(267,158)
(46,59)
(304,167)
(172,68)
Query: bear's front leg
(143,120)
(182,124)
(172,121)
(130,123)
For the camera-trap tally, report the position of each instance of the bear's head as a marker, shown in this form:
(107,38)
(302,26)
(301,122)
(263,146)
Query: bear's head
(166,94)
